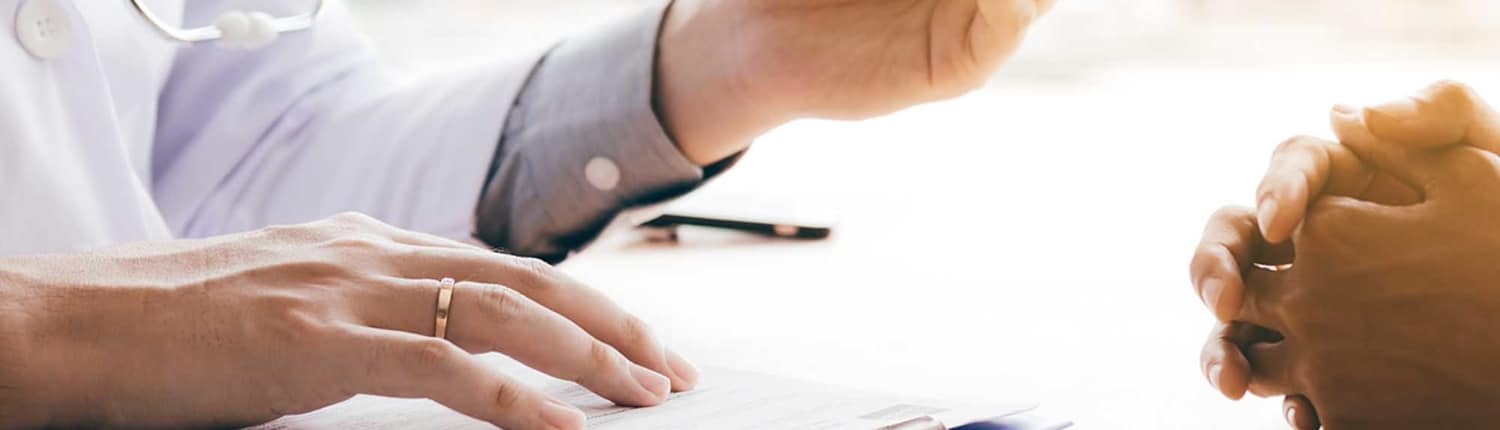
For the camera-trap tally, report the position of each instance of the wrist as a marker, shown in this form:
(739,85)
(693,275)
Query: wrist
(705,90)
(67,341)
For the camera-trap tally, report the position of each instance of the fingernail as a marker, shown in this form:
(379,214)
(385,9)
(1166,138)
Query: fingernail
(1403,108)
(684,370)
(654,383)
(1265,212)
(1291,416)
(562,416)
(1373,116)
(1344,109)
(1213,374)
(1211,288)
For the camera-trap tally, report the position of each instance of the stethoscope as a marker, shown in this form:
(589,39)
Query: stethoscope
(235,29)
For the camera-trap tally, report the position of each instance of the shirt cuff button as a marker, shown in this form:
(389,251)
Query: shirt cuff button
(602,173)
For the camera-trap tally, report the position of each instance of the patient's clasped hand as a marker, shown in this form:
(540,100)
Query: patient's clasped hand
(1389,316)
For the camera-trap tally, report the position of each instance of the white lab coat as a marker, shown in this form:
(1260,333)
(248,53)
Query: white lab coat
(128,136)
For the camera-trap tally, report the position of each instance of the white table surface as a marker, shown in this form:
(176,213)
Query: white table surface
(1025,242)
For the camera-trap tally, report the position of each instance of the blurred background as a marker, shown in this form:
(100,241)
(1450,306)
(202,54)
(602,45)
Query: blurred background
(1033,236)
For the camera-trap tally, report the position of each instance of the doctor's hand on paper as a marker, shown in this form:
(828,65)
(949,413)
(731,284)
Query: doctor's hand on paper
(730,70)
(245,328)
(1385,318)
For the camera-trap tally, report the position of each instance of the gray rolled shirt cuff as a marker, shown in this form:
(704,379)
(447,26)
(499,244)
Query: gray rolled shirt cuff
(585,114)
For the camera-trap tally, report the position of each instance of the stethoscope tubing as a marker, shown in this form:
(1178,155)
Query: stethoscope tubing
(285,24)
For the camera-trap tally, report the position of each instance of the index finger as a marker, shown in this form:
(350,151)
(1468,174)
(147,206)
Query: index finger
(1299,170)
(1231,244)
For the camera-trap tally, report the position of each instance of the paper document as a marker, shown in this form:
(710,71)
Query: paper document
(724,399)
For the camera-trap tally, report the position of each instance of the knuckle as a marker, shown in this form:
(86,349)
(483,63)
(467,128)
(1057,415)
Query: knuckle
(353,218)
(360,242)
(503,304)
(1212,262)
(1196,264)
(508,396)
(1298,143)
(429,355)
(534,273)
(1205,258)
(1452,93)
(1267,190)
(635,332)
(1222,214)
(1288,144)
(535,266)
(602,359)
(356,221)
(1228,215)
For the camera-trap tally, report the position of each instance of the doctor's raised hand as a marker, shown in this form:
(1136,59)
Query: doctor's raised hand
(244,328)
(731,69)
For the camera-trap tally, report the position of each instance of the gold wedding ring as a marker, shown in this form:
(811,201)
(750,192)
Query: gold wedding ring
(445,299)
(1273,267)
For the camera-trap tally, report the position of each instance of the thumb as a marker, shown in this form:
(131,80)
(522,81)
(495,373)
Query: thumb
(1443,114)
(1003,21)
(996,30)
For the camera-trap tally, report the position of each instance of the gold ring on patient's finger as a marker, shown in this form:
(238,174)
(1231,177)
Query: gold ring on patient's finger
(444,301)
(1273,267)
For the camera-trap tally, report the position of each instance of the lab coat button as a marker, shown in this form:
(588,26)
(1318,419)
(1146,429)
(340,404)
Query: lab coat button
(602,173)
(43,29)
